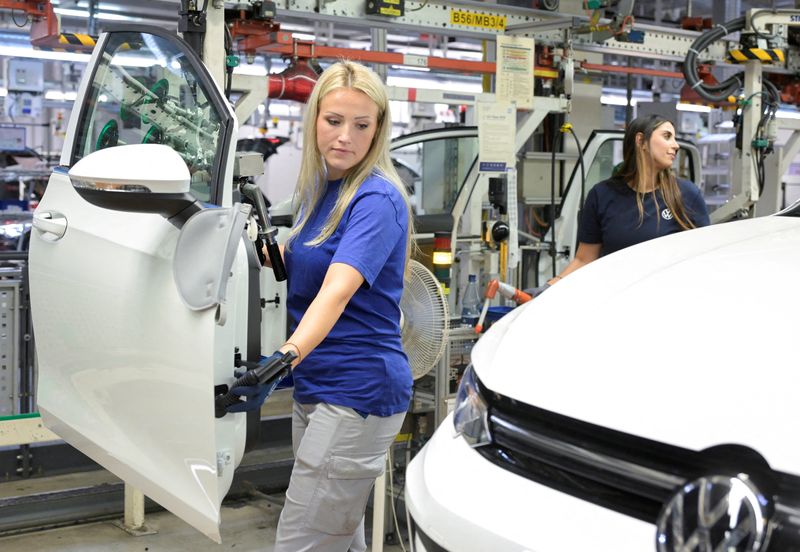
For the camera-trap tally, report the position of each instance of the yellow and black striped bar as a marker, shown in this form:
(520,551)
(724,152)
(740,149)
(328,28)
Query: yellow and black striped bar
(67,42)
(77,40)
(760,54)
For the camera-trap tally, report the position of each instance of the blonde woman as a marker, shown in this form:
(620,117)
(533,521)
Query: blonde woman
(345,259)
(642,201)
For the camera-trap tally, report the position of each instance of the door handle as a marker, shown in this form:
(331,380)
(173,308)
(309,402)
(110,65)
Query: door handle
(50,222)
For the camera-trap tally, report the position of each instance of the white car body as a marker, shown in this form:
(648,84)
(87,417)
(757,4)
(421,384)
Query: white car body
(686,342)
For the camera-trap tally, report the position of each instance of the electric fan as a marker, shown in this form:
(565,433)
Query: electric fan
(423,319)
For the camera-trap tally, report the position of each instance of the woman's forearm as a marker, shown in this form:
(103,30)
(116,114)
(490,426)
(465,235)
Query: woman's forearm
(586,253)
(341,282)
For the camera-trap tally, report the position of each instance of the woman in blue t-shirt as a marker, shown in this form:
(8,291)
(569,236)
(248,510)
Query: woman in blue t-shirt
(345,258)
(642,201)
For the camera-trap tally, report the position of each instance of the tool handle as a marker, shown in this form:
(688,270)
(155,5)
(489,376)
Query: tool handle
(275,259)
(263,373)
(266,231)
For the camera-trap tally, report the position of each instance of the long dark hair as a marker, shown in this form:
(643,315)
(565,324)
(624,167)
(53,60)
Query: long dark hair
(637,170)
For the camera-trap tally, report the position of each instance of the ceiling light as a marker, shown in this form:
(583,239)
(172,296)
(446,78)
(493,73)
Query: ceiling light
(99,15)
(411,68)
(450,86)
(17,51)
(786,114)
(611,99)
(250,69)
(680,106)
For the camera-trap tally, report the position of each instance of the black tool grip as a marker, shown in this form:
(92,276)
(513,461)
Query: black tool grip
(263,373)
(267,232)
(278,268)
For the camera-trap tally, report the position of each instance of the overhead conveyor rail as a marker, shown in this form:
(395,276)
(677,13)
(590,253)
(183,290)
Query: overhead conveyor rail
(489,20)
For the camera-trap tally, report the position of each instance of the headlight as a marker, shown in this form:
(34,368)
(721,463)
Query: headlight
(471,414)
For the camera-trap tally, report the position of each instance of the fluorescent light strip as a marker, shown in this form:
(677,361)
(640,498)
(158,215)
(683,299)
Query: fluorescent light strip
(253,69)
(450,54)
(610,99)
(411,68)
(99,15)
(692,107)
(16,51)
(786,114)
(451,86)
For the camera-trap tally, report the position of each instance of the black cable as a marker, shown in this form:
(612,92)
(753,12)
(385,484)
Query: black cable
(14,19)
(583,179)
(753,23)
(583,171)
(712,92)
(228,68)
(555,144)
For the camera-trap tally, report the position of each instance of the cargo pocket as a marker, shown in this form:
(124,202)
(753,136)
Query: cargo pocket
(341,497)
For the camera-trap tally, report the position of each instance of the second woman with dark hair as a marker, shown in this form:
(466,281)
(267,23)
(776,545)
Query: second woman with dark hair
(642,201)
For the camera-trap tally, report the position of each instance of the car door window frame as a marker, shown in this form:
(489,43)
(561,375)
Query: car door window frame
(438,134)
(210,89)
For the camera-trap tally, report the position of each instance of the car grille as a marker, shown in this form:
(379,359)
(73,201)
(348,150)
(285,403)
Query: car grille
(625,473)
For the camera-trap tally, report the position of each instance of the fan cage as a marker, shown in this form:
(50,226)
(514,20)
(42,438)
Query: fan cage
(426,320)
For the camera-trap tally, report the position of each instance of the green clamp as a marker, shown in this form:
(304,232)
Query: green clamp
(760,143)
(232,61)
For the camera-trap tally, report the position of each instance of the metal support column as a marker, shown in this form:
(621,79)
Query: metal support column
(745,179)
(213,53)
(378,37)
(91,24)
(776,167)
(379,512)
(133,520)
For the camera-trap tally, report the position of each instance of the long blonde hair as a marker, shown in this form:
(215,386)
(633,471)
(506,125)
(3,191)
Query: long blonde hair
(313,172)
(637,170)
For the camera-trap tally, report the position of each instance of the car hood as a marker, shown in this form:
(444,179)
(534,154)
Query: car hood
(688,339)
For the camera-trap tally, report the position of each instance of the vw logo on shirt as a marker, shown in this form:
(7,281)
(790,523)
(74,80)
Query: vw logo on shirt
(666,214)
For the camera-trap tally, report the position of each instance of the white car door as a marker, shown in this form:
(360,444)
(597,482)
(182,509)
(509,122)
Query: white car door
(126,370)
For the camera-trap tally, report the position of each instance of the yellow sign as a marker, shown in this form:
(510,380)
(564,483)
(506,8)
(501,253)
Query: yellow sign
(480,20)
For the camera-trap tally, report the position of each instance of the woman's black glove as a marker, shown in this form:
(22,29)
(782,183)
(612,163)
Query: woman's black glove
(254,395)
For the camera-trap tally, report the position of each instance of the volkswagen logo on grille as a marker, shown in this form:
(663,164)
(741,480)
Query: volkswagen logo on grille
(714,513)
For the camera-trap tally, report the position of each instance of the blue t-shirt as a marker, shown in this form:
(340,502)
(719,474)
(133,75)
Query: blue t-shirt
(610,216)
(361,363)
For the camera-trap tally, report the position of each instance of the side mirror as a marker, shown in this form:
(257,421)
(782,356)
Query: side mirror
(140,178)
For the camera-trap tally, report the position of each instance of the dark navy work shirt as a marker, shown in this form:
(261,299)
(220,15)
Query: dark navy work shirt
(361,363)
(610,215)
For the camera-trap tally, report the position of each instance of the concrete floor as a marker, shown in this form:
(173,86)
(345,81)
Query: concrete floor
(247,525)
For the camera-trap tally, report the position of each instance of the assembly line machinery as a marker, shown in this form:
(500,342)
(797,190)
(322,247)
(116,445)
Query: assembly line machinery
(764,48)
